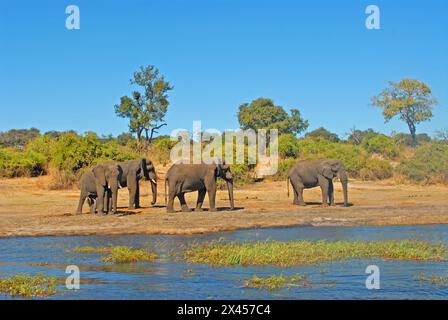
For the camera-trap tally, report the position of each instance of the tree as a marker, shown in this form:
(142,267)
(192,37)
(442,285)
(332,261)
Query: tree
(323,133)
(264,114)
(145,110)
(18,138)
(356,136)
(410,99)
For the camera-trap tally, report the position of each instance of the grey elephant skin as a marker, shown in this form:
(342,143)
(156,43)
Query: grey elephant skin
(132,172)
(183,178)
(100,183)
(307,174)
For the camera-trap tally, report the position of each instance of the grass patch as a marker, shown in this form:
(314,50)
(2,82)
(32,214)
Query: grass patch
(283,253)
(93,249)
(28,286)
(440,281)
(276,282)
(128,255)
(120,254)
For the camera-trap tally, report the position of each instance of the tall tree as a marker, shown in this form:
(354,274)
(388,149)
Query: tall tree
(410,99)
(262,113)
(145,109)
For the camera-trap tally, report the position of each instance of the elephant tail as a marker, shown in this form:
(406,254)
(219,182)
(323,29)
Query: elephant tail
(287,186)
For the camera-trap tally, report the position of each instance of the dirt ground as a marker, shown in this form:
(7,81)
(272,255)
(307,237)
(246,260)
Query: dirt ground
(28,209)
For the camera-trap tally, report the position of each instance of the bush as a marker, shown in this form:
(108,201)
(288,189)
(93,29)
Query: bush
(376,169)
(287,146)
(382,145)
(17,163)
(428,165)
(161,148)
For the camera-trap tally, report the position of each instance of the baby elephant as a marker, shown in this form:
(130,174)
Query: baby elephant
(312,173)
(100,186)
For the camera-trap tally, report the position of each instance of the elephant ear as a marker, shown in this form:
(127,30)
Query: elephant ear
(144,168)
(327,172)
(100,175)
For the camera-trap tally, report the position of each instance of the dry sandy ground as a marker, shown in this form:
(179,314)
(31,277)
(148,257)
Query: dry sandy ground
(28,209)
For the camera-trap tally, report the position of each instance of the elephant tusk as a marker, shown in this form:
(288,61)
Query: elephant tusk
(154,181)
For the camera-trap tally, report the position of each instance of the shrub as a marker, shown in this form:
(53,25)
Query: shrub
(376,169)
(287,146)
(161,148)
(428,165)
(382,145)
(17,163)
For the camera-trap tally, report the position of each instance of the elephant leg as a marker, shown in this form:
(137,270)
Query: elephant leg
(331,193)
(132,187)
(324,185)
(137,196)
(212,198)
(201,196)
(82,198)
(108,196)
(171,196)
(100,199)
(183,203)
(298,193)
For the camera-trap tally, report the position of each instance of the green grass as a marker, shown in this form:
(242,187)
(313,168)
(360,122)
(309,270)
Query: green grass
(440,281)
(120,254)
(28,286)
(93,249)
(310,252)
(128,255)
(276,282)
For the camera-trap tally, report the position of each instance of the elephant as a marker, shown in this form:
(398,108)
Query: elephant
(182,178)
(307,174)
(132,172)
(100,185)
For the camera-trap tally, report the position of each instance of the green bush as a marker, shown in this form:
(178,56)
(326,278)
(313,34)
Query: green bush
(428,165)
(376,169)
(161,148)
(287,146)
(18,163)
(382,145)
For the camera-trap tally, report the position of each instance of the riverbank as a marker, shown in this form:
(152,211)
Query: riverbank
(28,209)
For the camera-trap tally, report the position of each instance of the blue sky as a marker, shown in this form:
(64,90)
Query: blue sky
(313,55)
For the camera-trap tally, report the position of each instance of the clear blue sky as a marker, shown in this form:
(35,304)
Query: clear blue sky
(313,55)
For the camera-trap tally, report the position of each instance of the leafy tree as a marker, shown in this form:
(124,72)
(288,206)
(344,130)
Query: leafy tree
(17,138)
(410,99)
(145,110)
(264,114)
(323,133)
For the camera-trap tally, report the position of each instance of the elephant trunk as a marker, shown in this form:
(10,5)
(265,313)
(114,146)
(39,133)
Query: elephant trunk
(154,192)
(230,189)
(342,175)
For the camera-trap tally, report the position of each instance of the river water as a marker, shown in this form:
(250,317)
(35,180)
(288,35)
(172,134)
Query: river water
(171,278)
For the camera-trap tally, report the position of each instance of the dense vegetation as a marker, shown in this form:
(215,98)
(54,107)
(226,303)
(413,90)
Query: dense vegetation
(366,154)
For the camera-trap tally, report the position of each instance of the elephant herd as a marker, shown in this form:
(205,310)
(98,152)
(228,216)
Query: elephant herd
(100,184)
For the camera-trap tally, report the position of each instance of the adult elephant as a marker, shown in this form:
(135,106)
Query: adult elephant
(312,173)
(183,178)
(102,183)
(132,172)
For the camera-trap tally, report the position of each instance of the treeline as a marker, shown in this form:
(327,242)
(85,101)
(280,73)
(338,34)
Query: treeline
(367,155)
